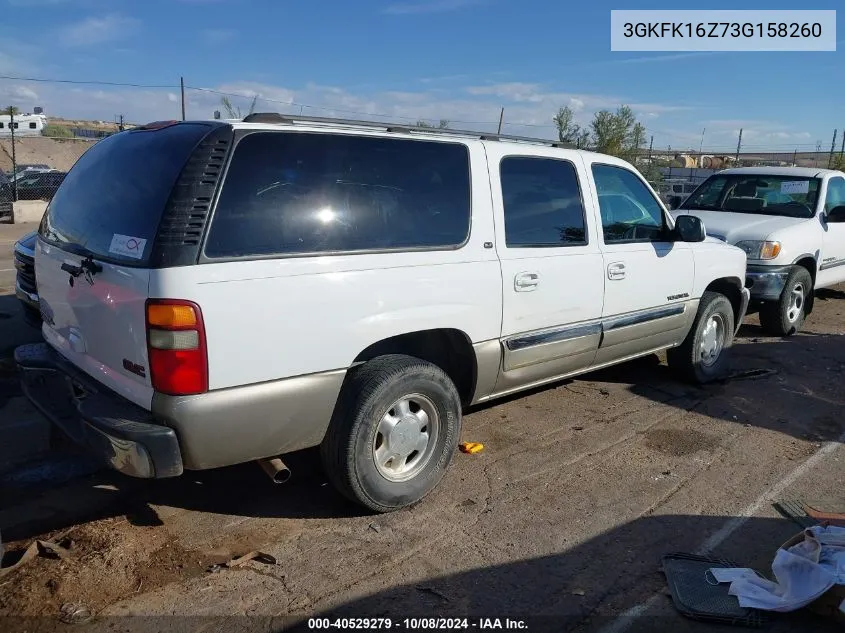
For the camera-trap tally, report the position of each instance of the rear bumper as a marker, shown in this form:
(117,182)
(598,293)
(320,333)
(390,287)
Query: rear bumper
(121,434)
(766,282)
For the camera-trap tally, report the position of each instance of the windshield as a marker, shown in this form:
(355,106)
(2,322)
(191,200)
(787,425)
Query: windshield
(761,194)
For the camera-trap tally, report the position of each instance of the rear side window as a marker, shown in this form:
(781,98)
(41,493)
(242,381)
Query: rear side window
(290,192)
(112,201)
(542,202)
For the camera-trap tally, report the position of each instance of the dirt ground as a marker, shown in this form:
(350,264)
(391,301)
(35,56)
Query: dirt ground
(563,518)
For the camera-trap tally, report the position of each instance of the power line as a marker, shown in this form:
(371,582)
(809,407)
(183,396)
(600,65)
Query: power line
(91,83)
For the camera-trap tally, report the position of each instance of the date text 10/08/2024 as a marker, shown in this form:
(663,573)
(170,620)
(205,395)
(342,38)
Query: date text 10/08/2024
(417,624)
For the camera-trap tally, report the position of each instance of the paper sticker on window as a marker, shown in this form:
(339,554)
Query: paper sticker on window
(795,186)
(127,246)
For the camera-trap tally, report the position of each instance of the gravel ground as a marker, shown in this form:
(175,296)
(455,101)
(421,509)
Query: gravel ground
(581,488)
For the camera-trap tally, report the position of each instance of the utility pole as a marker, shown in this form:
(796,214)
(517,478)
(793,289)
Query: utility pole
(650,147)
(182,86)
(738,145)
(120,125)
(794,156)
(14,161)
(501,120)
(832,149)
(816,155)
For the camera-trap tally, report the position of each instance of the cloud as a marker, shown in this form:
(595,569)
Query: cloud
(528,109)
(429,6)
(662,58)
(96,30)
(18,94)
(218,36)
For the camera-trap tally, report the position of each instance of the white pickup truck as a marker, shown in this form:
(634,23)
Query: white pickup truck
(790,221)
(216,292)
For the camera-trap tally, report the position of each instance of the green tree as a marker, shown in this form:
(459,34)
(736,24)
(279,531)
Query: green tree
(234,112)
(838,162)
(442,125)
(568,131)
(12,110)
(618,133)
(56,131)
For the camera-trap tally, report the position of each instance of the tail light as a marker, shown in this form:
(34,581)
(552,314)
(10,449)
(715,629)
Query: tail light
(176,347)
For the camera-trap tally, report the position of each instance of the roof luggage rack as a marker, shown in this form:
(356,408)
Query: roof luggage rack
(291,119)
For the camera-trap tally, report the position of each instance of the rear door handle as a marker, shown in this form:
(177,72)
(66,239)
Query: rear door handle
(616,270)
(525,282)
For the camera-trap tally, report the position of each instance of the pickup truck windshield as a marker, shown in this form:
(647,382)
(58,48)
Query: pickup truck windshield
(761,194)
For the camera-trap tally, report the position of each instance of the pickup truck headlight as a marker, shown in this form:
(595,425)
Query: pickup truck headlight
(759,250)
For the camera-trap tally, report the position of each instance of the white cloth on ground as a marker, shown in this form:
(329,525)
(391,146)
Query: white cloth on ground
(802,573)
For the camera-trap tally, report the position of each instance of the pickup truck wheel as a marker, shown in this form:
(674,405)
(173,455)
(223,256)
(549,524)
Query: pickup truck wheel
(393,433)
(786,316)
(704,356)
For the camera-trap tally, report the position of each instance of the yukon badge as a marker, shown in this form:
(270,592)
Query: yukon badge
(683,295)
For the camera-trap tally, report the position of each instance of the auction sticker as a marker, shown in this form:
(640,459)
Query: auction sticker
(127,246)
(795,186)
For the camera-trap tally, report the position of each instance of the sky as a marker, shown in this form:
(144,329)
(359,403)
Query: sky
(403,60)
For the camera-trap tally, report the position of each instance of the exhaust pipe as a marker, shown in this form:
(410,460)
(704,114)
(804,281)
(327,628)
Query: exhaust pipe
(275,469)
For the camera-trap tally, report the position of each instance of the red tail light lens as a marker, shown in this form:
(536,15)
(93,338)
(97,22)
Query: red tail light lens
(176,347)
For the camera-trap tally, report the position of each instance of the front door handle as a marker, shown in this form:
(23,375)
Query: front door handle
(525,282)
(616,270)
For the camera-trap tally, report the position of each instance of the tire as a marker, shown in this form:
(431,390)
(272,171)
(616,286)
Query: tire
(712,333)
(357,436)
(785,316)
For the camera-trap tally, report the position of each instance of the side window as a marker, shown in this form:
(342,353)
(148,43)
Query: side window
(32,125)
(2,125)
(294,192)
(542,202)
(629,212)
(835,193)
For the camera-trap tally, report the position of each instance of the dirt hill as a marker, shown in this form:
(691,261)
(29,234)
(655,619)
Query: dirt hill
(57,153)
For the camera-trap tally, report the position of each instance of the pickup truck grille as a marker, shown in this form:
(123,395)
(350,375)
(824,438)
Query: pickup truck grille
(26,272)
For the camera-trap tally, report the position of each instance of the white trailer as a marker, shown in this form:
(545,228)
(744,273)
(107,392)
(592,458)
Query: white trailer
(24,124)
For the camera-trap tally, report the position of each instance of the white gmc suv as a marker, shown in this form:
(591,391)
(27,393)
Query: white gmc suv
(787,220)
(216,292)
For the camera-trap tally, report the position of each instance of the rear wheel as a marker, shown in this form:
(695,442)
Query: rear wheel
(704,356)
(393,433)
(785,316)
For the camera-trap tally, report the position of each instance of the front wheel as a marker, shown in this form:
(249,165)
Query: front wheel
(393,433)
(785,316)
(704,356)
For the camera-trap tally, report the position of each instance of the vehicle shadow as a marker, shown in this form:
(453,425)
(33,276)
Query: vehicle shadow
(587,587)
(790,385)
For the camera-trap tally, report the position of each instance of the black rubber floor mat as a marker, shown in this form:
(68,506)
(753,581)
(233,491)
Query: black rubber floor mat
(795,510)
(696,594)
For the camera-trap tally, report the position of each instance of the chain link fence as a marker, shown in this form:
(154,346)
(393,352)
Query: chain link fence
(32,166)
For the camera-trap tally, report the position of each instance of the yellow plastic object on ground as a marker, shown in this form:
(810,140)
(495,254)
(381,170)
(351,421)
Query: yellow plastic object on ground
(471,447)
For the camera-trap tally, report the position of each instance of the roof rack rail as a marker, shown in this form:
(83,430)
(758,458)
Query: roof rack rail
(292,119)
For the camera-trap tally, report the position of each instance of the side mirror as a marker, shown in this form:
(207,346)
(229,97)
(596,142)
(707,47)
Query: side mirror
(689,228)
(836,214)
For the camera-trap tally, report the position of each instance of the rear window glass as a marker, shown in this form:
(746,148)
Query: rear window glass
(290,192)
(112,200)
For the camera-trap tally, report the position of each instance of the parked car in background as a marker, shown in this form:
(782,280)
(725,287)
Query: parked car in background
(25,287)
(674,193)
(790,221)
(265,286)
(31,167)
(33,185)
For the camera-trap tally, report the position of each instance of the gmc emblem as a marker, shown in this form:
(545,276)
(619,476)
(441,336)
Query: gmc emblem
(135,368)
